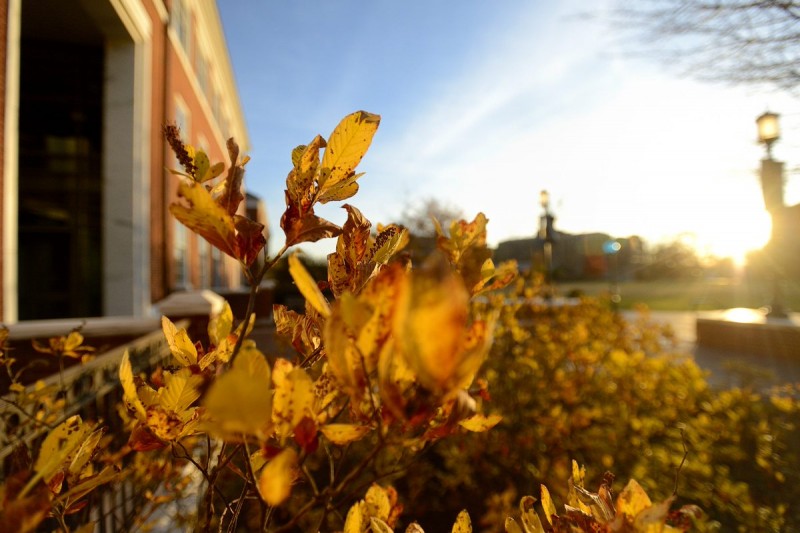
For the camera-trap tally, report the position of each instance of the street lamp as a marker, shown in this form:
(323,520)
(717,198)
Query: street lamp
(772,189)
(769,130)
(611,249)
(547,234)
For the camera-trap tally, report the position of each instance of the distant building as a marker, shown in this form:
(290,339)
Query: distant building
(575,256)
(86,87)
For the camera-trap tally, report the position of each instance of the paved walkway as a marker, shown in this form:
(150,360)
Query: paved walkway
(729,368)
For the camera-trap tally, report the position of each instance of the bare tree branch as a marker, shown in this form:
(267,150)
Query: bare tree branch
(755,42)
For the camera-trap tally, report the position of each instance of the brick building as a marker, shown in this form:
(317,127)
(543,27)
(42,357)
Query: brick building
(86,86)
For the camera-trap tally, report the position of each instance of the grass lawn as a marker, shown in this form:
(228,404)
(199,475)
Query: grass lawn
(690,295)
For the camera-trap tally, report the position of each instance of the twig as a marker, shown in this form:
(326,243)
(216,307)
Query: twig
(251,301)
(683,460)
(189,458)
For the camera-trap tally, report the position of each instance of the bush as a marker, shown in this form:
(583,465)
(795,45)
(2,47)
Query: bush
(382,389)
(578,382)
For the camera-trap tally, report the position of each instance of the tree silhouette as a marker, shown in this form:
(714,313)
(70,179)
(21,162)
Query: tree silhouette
(754,42)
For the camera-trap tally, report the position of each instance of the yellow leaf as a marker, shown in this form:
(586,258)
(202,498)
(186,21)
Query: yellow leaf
(527,513)
(201,164)
(206,217)
(84,453)
(547,505)
(492,278)
(275,483)
(88,484)
(57,448)
(388,242)
(257,460)
(347,145)
(431,325)
(347,188)
(240,401)
(479,423)
(632,500)
(653,518)
(179,343)
(220,325)
(414,528)
(73,340)
(294,397)
(308,287)
(129,387)
(341,434)
(341,331)
(379,526)
(512,526)
(180,390)
(378,504)
(354,523)
(463,524)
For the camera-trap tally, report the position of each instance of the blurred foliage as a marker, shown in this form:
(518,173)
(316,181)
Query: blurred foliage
(577,382)
(383,386)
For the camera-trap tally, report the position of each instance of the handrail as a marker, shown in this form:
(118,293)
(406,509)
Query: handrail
(90,382)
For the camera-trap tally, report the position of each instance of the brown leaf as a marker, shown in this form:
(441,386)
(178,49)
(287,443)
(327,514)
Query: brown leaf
(354,239)
(305,227)
(143,439)
(249,238)
(232,195)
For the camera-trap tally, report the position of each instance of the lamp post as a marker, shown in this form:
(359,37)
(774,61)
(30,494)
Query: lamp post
(611,249)
(546,233)
(772,189)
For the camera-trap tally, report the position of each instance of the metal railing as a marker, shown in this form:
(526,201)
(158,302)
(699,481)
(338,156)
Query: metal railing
(93,391)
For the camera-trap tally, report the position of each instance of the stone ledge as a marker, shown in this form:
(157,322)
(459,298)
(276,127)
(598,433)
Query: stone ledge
(750,331)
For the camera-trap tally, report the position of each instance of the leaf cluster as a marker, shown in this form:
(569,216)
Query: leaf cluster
(385,376)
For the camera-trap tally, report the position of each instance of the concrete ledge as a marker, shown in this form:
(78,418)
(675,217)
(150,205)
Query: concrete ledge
(750,331)
(108,326)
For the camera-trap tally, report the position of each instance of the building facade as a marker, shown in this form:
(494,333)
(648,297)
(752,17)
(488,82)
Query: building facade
(86,88)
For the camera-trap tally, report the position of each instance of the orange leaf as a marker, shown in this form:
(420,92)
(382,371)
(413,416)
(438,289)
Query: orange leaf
(275,483)
(305,226)
(205,217)
(341,434)
(249,238)
(480,423)
(232,195)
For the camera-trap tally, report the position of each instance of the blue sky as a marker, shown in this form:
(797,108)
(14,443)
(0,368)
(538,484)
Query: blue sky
(484,104)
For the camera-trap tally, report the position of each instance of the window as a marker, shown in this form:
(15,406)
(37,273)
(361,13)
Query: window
(180,256)
(215,107)
(182,118)
(201,70)
(205,265)
(218,268)
(181,23)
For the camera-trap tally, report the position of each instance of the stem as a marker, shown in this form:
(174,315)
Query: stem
(212,481)
(27,414)
(190,459)
(61,371)
(251,301)
(252,479)
(683,460)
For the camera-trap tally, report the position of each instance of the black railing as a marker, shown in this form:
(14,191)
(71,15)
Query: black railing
(93,391)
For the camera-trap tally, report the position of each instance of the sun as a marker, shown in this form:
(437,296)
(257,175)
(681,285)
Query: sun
(735,236)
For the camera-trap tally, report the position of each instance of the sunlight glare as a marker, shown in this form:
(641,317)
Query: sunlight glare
(735,236)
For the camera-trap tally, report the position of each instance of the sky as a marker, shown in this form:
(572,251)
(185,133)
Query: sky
(485,104)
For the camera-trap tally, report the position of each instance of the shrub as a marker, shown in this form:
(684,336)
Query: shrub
(382,380)
(578,382)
